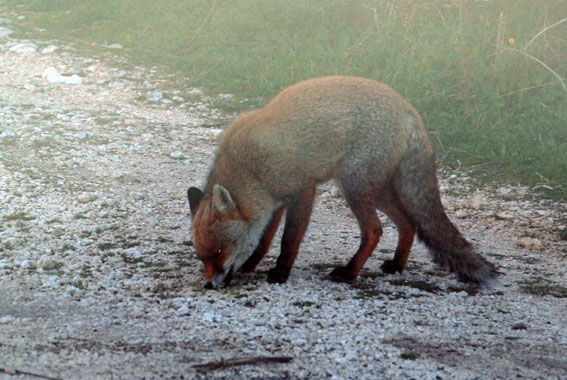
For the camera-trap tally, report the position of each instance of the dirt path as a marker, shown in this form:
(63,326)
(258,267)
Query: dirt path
(98,278)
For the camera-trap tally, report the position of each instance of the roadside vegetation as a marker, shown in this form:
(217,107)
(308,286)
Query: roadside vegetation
(488,77)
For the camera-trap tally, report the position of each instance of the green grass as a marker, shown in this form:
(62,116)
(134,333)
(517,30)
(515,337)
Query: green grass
(498,112)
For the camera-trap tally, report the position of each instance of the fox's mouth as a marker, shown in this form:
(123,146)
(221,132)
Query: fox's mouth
(225,277)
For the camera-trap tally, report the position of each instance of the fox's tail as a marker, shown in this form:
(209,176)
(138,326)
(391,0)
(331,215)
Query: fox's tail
(417,187)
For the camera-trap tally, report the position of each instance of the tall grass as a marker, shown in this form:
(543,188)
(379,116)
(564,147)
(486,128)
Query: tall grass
(493,101)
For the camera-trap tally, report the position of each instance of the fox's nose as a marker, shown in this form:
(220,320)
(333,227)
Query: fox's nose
(209,285)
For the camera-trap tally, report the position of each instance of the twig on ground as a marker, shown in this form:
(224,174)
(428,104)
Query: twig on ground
(478,166)
(236,362)
(357,45)
(527,88)
(378,31)
(198,31)
(500,36)
(544,30)
(17,372)
(543,64)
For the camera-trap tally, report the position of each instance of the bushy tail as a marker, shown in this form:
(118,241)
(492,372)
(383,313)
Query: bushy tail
(417,187)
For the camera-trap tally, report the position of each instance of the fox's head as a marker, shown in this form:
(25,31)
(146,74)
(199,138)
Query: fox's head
(222,234)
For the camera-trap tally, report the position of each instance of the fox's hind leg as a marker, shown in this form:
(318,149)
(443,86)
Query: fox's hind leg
(392,207)
(265,241)
(362,205)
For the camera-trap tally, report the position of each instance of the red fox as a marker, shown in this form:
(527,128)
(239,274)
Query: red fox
(357,131)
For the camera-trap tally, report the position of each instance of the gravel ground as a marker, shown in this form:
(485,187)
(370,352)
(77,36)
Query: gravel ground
(99,279)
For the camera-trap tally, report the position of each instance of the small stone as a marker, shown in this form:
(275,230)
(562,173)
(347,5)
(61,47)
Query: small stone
(184,310)
(85,197)
(563,235)
(196,91)
(504,190)
(49,49)
(462,214)
(174,135)
(81,135)
(114,46)
(155,96)
(336,192)
(30,87)
(177,155)
(5,32)
(520,326)
(27,264)
(503,216)
(207,316)
(25,48)
(475,202)
(225,97)
(47,263)
(530,243)
(5,264)
(137,196)
(7,319)
(117,84)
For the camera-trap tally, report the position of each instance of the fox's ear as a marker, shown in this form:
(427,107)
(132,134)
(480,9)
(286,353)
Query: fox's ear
(222,201)
(195,195)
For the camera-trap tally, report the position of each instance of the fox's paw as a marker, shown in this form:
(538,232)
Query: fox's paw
(391,267)
(342,274)
(277,276)
(248,267)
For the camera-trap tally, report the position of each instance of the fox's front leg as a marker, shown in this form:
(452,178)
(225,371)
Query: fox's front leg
(296,221)
(265,241)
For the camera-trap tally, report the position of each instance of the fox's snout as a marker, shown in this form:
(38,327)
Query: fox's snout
(214,280)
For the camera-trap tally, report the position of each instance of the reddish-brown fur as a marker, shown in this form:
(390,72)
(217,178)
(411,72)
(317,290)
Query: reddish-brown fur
(357,131)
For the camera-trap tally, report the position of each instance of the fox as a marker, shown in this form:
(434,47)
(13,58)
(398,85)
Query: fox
(355,131)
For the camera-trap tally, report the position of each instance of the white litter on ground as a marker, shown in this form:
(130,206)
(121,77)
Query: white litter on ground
(53,76)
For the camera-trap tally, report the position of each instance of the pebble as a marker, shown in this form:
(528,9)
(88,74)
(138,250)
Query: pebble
(475,202)
(155,96)
(5,32)
(49,49)
(520,326)
(530,243)
(196,91)
(503,215)
(462,214)
(27,264)
(178,155)
(46,263)
(85,197)
(30,87)
(7,319)
(24,48)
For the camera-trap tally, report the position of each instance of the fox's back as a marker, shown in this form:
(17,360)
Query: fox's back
(311,129)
